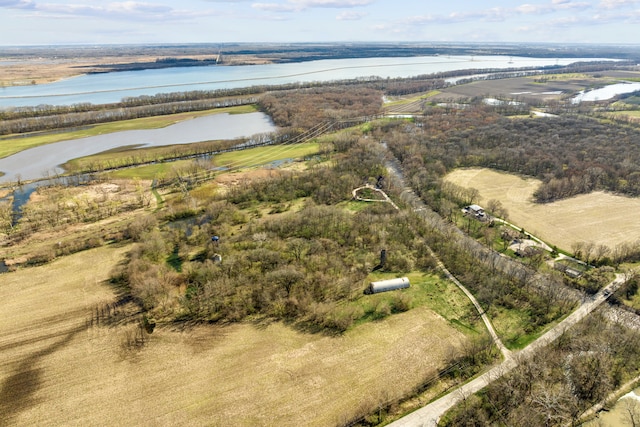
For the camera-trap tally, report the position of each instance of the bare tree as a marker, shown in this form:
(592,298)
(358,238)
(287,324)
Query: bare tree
(631,412)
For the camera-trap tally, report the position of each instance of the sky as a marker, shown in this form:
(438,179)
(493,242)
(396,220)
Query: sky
(44,22)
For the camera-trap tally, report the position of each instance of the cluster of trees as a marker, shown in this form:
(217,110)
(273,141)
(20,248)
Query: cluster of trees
(556,385)
(305,266)
(308,107)
(570,154)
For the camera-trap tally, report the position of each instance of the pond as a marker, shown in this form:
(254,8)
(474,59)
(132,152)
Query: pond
(45,160)
(606,92)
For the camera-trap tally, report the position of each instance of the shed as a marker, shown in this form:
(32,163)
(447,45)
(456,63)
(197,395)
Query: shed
(387,285)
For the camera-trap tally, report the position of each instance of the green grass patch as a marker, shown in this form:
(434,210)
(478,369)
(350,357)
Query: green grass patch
(174,260)
(15,143)
(426,290)
(634,302)
(412,99)
(159,199)
(629,113)
(354,206)
(510,326)
(562,76)
(260,156)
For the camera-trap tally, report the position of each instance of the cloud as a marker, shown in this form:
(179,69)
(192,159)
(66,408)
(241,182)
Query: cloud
(350,16)
(617,4)
(127,10)
(300,5)
(338,4)
(17,4)
(275,7)
(553,7)
(500,14)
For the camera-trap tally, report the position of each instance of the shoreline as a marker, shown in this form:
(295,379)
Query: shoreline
(47,64)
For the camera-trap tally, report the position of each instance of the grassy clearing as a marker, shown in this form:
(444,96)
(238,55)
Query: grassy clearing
(258,156)
(634,302)
(567,76)
(263,155)
(426,290)
(628,113)
(510,324)
(55,371)
(598,217)
(15,143)
(398,102)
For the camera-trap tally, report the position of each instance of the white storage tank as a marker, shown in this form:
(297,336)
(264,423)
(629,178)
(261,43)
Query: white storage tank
(387,285)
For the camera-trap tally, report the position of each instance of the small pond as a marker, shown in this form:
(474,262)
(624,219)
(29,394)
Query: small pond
(606,92)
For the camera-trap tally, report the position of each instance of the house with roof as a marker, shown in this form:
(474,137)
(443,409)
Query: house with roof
(475,210)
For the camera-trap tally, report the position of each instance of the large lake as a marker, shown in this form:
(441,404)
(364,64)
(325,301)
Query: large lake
(42,161)
(112,87)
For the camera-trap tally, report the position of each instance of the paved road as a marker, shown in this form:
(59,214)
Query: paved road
(430,414)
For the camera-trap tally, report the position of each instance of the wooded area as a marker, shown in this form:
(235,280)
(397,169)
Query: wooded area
(557,385)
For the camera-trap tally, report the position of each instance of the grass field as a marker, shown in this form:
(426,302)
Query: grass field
(56,370)
(15,143)
(598,217)
(631,114)
(403,100)
(263,155)
(258,156)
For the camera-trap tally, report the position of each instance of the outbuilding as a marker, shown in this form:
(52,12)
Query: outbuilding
(476,210)
(387,285)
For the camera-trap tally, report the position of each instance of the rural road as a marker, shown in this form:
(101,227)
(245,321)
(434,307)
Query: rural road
(506,353)
(429,415)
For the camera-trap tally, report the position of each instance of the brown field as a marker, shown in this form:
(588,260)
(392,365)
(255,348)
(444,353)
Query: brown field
(57,370)
(527,88)
(598,217)
(536,88)
(36,70)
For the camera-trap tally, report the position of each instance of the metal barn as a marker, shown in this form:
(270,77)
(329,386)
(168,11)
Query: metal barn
(387,285)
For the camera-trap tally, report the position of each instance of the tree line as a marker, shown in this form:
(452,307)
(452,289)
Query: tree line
(570,154)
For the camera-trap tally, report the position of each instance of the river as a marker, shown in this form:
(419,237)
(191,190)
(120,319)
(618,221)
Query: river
(112,87)
(43,161)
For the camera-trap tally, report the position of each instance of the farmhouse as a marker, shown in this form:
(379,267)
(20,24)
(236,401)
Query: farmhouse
(474,210)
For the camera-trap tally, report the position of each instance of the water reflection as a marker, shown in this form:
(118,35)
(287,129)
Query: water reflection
(43,161)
